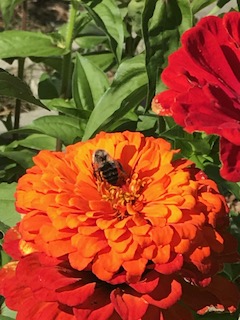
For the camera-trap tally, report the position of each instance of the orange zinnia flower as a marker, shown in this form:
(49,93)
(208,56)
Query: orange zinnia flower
(161,212)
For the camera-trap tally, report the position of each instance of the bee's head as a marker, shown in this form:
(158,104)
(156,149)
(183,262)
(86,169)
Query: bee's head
(100,155)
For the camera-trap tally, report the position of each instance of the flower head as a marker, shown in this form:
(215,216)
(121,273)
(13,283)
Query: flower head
(115,228)
(164,213)
(203,79)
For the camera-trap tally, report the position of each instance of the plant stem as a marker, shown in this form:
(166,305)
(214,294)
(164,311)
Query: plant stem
(18,103)
(21,62)
(67,62)
(67,59)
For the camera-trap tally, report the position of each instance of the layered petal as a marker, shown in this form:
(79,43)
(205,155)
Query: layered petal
(40,287)
(158,213)
(203,79)
(87,248)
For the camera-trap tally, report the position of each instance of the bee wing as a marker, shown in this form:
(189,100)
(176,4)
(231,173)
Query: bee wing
(121,172)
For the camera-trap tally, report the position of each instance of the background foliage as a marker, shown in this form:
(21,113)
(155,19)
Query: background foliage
(102,69)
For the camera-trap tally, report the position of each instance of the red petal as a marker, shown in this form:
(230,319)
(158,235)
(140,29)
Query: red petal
(162,102)
(148,284)
(11,243)
(230,157)
(174,265)
(166,294)
(232,21)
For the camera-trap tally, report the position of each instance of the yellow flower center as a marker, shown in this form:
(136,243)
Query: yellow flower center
(126,199)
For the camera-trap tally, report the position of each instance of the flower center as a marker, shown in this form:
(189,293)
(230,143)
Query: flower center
(126,199)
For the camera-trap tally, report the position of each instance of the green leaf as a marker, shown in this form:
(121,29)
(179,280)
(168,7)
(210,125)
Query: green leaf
(5,258)
(7,8)
(65,128)
(162,24)
(126,92)
(135,8)
(198,5)
(89,83)
(48,86)
(80,22)
(3,228)
(232,270)
(38,142)
(7,313)
(18,43)
(90,41)
(147,122)
(53,62)
(12,86)
(108,17)
(120,119)
(220,4)
(22,157)
(103,60)
(67,108)
(212,170)
(8,214)
(6,318)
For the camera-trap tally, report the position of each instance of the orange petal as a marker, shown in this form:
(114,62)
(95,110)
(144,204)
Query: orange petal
(77,261)
(176,214)
(135,269)
(88,245)
(161,236)
(128,306)
(155,209)
(163,254)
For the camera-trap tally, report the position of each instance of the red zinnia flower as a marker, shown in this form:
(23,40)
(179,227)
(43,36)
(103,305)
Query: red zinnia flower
(204,86)
(41,287)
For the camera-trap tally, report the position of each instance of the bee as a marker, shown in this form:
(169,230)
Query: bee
(105,168)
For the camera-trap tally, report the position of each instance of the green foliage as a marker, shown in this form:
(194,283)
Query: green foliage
(86,93)
(101,71)
(107,16)
(7,8)
(8,215)
(7,314)
(120,96)
(162,23)
(11,86)
(5,318)
(29,43)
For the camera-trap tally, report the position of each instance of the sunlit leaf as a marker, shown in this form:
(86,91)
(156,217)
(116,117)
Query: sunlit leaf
(126,91)
(89,83)
(107,16)
(104,60)
(162,24)
(7,313)
(90,41)
(38,142)
(65,128)
(19,43)
(67,108)
(8,214)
